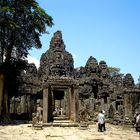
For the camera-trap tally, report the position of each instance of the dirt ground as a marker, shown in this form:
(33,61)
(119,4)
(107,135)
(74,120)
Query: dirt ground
(26,132)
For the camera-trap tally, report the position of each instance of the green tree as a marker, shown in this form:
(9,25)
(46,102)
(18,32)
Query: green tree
(115,71)
(21,24)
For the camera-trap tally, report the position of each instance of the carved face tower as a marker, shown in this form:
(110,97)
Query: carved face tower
(56,61)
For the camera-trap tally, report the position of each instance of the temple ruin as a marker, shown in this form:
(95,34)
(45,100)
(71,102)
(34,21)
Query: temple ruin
(75,93)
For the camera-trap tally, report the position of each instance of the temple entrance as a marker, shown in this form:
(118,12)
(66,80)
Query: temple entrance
(59,103)
(59,100)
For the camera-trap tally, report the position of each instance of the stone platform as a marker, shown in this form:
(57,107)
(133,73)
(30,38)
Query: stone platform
(61,121)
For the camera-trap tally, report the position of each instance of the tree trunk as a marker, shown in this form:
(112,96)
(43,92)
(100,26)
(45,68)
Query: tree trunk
(4,109)
(1,90)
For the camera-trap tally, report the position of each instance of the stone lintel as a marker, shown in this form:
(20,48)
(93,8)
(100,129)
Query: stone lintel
(59,82)
(126,91)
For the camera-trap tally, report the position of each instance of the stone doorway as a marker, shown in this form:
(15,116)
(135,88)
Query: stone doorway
(59,96)
(60,102)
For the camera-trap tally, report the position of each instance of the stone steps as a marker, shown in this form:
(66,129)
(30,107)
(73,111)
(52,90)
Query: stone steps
(61,118)
(61,121)
(61,124)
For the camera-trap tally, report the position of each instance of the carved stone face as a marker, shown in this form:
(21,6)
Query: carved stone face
(128,80)
(117,80)
(58,57)
(91,66)
(103,66)
(104,69)
(57,39)
(57,73)
(92,62)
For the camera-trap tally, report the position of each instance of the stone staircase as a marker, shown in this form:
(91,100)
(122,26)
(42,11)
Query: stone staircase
(61,121)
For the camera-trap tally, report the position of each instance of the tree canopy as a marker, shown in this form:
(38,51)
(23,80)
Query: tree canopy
(115,71)
(21,24)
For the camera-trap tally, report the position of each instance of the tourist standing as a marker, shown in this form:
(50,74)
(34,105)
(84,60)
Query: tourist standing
(104,128)
(39,113)
(101,121)
(135,116)
(138,123)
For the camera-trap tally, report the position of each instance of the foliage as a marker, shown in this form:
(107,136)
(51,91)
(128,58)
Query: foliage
(115,71)
(21,24)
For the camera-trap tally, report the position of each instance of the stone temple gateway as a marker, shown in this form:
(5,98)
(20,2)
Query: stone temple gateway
(61,94)
(77,94)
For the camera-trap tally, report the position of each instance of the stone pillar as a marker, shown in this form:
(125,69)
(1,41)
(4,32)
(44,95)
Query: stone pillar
(76,105)
(50,104)
(62,106)
(23,104)
(72,106)
(67,103)
(29,106)
(128,105)
(45,105)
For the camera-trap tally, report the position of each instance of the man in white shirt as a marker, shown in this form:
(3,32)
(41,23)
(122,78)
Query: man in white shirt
(138,123)
(101,121)
(138,119)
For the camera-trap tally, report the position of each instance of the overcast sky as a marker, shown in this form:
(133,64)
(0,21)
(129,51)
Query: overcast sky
(105,29)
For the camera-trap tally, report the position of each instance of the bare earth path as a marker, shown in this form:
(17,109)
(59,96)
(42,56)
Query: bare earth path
(24,132)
